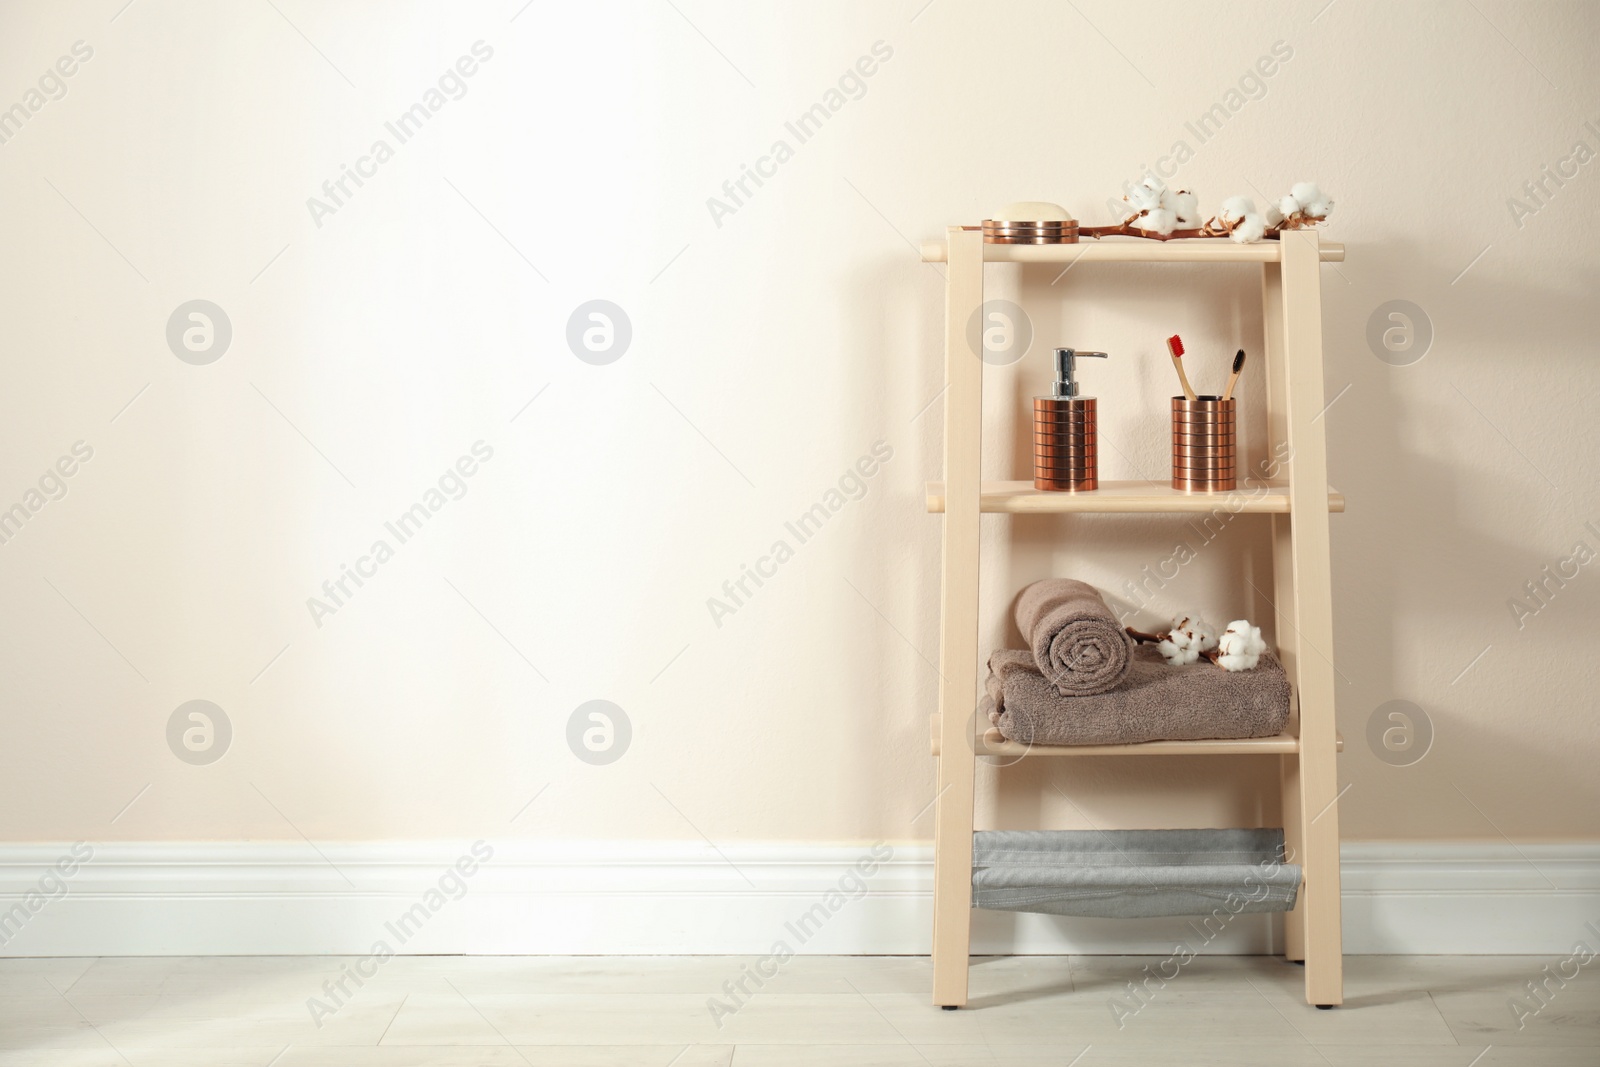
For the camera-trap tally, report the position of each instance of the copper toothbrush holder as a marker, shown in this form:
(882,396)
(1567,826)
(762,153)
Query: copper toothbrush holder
(1065,448)
(1204,444)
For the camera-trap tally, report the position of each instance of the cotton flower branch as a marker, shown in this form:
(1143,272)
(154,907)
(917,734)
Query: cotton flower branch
(1238,648)
(1163,214)
(1186,641)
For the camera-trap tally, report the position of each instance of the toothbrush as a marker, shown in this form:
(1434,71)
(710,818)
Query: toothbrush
(1233,380)
(1175,346)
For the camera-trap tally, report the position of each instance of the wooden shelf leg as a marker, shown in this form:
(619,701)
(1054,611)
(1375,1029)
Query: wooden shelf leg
(1294,922)
(1283,600)
(958,639)
(952,885)
(1318,767)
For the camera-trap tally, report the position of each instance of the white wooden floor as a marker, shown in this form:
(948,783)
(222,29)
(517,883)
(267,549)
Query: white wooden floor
(1438,1011)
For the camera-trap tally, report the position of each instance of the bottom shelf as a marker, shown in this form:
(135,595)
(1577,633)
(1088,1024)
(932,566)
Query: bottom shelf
(1133,874)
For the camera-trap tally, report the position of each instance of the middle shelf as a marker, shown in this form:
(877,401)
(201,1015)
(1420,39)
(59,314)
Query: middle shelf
(988,741)
(1021,498)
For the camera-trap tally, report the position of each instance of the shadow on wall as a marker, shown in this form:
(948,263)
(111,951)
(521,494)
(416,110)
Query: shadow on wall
(1416,544)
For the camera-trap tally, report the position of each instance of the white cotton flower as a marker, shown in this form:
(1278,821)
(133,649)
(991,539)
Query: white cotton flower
(1236,207)
(1240,647)
(1189,636)
(1158,220)
(1273,216)
(1319,209)
(1251,229)
(1175,656)
(1194,632)
(1241,638)
(1288,205)
(1187,208)
(1146,196)
(1306,193)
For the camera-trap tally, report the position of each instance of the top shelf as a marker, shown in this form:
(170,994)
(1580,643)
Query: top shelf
(1134,250)
(1021,498)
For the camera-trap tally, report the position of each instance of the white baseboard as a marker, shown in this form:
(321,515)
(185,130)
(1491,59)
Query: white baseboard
(681,898)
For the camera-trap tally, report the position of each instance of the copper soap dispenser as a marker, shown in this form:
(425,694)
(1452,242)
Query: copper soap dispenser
(1065,453)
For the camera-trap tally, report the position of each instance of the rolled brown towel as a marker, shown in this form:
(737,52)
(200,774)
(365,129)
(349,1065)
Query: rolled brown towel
(1077,642)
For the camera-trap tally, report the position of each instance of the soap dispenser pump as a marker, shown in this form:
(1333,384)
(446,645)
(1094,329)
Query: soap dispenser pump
(1065,453)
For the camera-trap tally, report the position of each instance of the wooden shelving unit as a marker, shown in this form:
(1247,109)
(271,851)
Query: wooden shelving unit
(1297,503)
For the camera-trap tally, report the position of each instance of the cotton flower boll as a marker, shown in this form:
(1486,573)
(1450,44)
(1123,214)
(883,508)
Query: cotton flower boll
(1190,635)
(1236,207)
(1159,220)
(1146,196)
(1138,207)
(1235,640)
(1196,633)
(1141,199)
(1187,208)
(1175,656)
(1306,193)
(1241,638)
(1273,216)
(1240,646)
(1319,209)
(1181,647)
(1251,229)
(1288,205)
(1182,631)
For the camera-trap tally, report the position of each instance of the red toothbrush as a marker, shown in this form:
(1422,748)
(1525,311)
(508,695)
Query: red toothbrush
(1175,346)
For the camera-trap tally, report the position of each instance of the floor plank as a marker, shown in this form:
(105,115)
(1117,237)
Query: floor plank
(731,1011)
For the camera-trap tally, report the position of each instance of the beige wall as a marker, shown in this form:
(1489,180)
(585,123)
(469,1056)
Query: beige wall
(769,352)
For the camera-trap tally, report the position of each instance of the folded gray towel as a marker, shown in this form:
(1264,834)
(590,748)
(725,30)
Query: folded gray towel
(1156,702)
(1077,643)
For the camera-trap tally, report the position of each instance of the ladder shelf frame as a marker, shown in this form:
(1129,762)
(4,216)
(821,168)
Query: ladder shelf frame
(1302,579)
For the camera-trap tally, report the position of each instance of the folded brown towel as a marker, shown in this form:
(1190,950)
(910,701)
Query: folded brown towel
(1077,643)
(1156,702)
